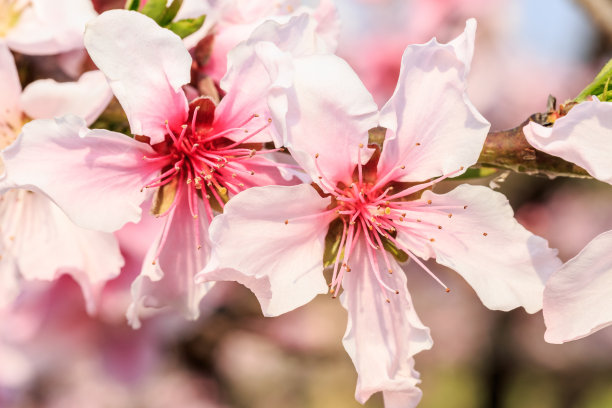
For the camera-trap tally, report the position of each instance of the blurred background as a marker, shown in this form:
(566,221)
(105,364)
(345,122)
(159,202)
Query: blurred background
(233,357)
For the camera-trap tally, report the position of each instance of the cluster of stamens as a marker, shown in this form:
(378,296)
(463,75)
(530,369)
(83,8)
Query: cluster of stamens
(205,167)
(373,212)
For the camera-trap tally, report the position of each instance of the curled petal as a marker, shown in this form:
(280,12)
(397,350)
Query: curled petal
(381,338)
(581,137)
(86,98)
(504,263)
(146,66)
(577,297)
(433,128)
(169,282)
(281,262)
(259,65)
(95,176)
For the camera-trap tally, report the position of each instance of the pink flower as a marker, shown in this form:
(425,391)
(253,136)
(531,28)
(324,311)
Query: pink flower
(37,240)
(199,153)
(577,296)
(272,239)
(43,27)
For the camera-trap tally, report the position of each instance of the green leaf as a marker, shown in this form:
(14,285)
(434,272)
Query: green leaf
(599,86)
(155,9)
(476,173)
(171,12)
(397,253)
(185,27)
(132,5)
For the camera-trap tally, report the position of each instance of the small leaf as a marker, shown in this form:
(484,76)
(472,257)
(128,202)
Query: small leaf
(132,5)
(598,86)
(164,197)
(155,9)
(397,253)
(332,242)
(476,173)
(186,27)
(377,136)
(171,12)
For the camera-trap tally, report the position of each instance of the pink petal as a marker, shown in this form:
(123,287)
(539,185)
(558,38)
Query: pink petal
(170,281)
(577,299)
(382,337)
(146,66)
(257,66)
(87,98)
(504,263)
(326,111)
(433,128)
(30,220)
(10,107)
(581,137)
(237,25)
(51,27)
(282,263)
(95,176)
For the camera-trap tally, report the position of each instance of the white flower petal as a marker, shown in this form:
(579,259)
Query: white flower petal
(170,281)
(282,263)
(581,137)
(433,128)
(381,338)
(95,176)
(146,66)
(86,98)
(577,298)
(504,263)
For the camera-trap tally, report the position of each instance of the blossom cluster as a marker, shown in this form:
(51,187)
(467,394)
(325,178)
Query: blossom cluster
(262,158)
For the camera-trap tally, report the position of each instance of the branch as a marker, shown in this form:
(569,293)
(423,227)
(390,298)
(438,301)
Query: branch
(508,149)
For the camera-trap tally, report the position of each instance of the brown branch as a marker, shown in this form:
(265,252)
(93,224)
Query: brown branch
(508,149)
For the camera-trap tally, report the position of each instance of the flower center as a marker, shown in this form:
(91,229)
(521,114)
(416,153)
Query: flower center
(373,211)
(10,11)
(203,166)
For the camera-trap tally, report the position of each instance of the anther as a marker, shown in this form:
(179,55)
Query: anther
(428,201)
(361,145)
(484,234)
(450,215)
(390,271)
(269,120)
(402,167)
(316,155)
(432,240)
(388,301)
(439,227)
(417,144)
(447,290)
(286,222)
(465,207)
